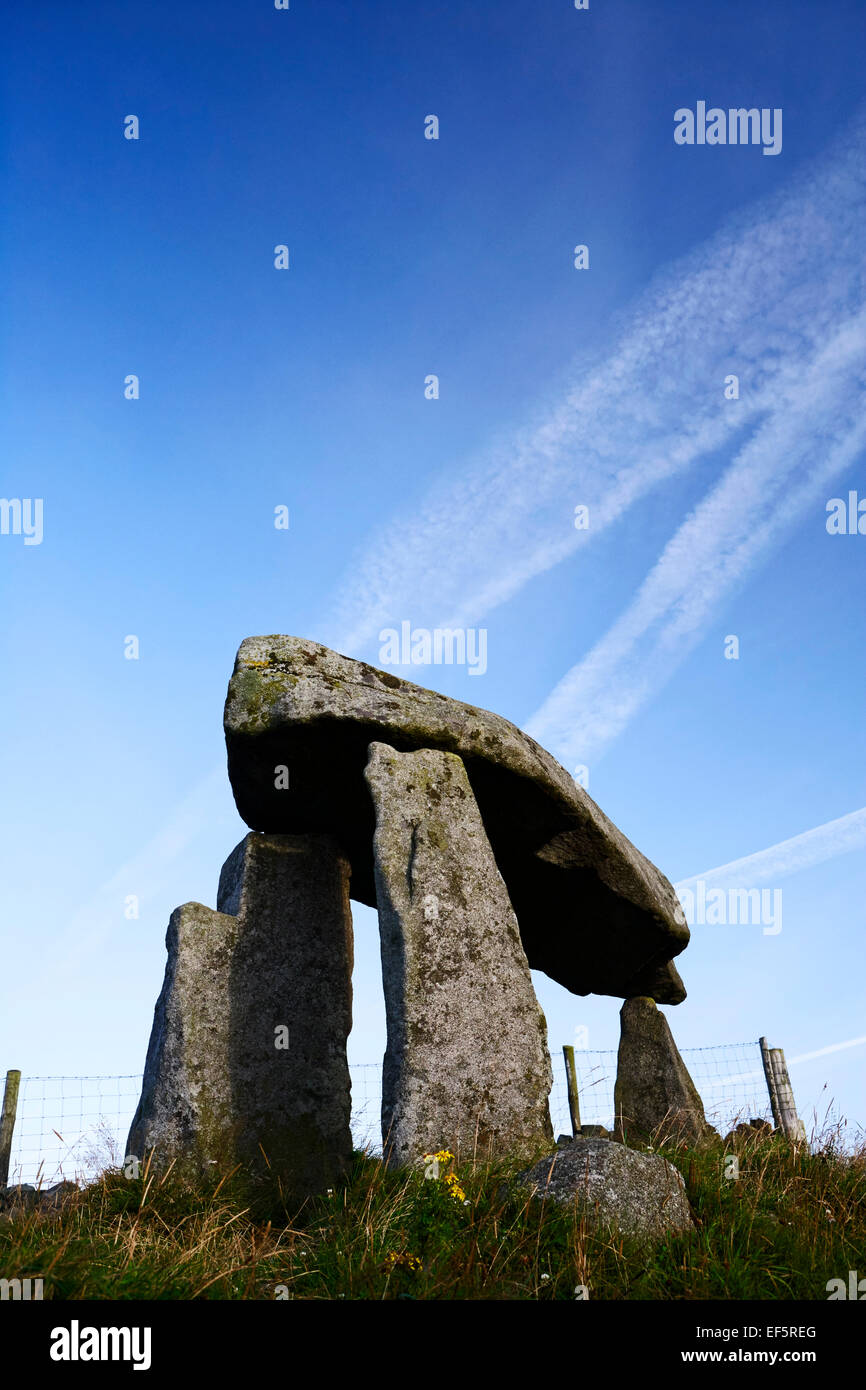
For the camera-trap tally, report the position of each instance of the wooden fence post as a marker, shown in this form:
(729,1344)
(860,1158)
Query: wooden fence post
(7,1123)
(781,1092)
(573,1098)
(792,1125)
(771,1081)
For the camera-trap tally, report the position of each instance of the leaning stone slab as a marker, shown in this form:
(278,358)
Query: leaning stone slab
(654,1096)
(594,914)
(640,1195)
(467,1066)
(248,1048)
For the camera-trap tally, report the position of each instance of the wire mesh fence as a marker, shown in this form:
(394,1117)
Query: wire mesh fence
(73,1127)
(730,1079)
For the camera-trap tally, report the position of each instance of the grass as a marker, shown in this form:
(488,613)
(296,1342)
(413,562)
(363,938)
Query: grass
(791,1221)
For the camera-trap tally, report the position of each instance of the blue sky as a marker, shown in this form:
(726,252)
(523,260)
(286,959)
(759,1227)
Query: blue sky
(558,387)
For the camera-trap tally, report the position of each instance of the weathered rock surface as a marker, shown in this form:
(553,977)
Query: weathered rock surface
(248,1048)
(467,1066)
(22,1197)
(594,914)
(586,1132)
(754,1131)
(654,1095)
(640,1194)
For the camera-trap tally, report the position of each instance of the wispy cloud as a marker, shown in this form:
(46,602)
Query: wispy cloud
(817,428)
(825,1051)
(760,298)
(814,846)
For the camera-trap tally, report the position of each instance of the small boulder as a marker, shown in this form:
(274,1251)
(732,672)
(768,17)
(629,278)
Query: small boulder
(749,1131)
(24,1197)
(641,1195)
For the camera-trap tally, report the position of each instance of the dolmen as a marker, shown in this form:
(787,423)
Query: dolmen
(484,860)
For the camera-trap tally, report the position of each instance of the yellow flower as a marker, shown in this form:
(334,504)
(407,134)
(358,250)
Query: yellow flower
(454,1187)
(443,1156)
(402,1259)
(451,1179)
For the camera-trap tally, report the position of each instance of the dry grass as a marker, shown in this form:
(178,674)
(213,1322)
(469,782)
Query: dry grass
(791,1221)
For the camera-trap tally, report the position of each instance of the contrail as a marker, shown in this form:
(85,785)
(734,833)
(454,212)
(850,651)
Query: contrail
(823,1051)
(814,846)
(765,491)
(758,1073)
(758,299)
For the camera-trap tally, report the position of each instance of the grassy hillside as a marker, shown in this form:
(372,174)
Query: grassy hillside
(790,1222)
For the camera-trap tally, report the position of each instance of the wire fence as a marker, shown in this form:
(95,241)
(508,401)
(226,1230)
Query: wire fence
(73,1127)
(730,1080)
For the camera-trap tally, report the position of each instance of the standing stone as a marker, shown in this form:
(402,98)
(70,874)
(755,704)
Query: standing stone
(467,1066)
(248,1048)
(654,1095)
